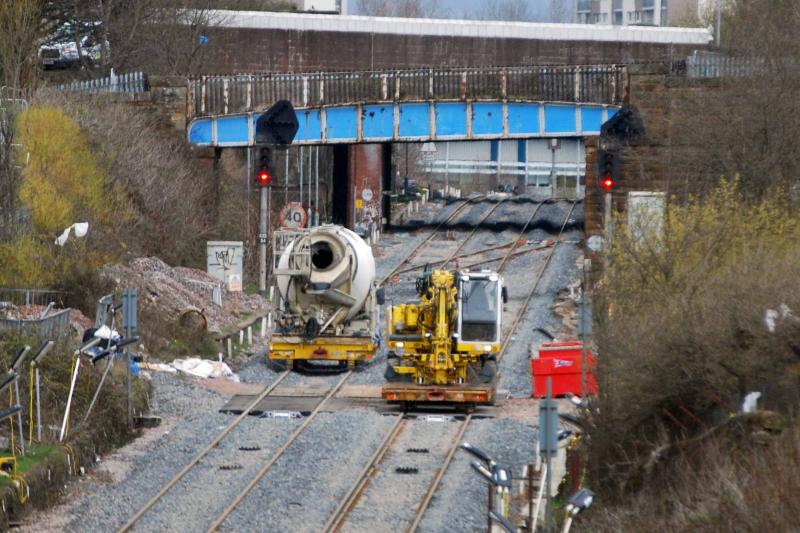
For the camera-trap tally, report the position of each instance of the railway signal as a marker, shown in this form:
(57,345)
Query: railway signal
(264,174)
(263,177)
(608,169)
(276,127)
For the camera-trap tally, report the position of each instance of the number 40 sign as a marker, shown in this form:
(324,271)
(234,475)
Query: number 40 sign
(293,216)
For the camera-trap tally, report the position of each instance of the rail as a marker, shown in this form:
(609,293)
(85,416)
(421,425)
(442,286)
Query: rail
(221,95)
(460,247)
(407,259)
(423,507)
(264,469)
(196,460)
(350,500)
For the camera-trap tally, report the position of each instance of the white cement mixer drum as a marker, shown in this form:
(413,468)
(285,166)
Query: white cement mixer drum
(334,269)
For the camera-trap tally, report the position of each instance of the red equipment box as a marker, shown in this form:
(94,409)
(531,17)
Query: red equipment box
(561,361)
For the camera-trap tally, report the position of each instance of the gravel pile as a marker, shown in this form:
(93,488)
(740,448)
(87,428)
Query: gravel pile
(471,216)
(448,209)
(165,292)
(302,489)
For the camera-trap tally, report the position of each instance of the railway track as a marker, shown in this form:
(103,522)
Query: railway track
(275,456)
(346,505)
(203,453)
(264,469)
(216,441)
(339,517)
(413,252)
(520,314)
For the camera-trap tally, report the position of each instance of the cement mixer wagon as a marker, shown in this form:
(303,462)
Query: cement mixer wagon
(327,300)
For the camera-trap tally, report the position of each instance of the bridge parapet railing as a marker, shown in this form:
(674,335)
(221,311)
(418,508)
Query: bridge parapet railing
(219,95)
(132,82)
(704,64)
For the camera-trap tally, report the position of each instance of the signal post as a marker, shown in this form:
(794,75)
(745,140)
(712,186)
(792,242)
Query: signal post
(608,173)
(274,128)
(263,177)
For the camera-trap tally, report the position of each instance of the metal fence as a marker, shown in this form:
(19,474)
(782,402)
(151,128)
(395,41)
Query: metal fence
(52,327)
(711,65)
(219,95)
(134,82)
(32,296)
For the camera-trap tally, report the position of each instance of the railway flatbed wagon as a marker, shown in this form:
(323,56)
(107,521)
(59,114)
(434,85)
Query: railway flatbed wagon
(346,350)
(456,395)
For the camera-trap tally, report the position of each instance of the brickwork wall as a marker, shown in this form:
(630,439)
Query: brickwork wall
(233,50)
(365,172)
(653,163)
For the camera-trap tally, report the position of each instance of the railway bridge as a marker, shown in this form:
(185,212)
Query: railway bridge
(363,84)
(515,110)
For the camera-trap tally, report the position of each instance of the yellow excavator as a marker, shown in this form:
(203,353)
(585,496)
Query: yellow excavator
(443,347)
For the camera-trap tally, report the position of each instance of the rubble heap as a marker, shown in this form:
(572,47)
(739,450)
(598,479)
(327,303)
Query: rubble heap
(170,292)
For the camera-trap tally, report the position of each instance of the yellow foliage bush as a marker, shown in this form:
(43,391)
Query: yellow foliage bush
(680,325)
(63,182)
(26,262)
(701,240)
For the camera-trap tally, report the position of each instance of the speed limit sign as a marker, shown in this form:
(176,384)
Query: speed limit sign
(293,216)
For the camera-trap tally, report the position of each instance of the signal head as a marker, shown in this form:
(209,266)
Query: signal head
(263,177)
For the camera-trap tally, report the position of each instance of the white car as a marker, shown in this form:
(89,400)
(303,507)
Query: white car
(61,52)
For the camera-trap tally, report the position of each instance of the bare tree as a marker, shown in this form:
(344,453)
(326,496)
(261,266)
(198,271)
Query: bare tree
(510,10)
(745,125)
(175,40)
(399,8)
(559,11)
(20,30)
(9,175)
(160,36)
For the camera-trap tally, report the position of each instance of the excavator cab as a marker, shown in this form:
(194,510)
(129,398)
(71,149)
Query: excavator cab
(480,306)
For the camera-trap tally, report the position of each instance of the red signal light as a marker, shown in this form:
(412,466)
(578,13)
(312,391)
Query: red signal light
(607,183)
(263,177)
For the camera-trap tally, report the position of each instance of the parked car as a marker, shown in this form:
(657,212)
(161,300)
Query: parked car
(61,52)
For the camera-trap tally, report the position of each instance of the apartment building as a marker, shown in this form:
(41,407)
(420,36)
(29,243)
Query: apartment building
(638,12)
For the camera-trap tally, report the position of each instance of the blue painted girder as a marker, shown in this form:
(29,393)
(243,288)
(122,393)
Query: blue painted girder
(415,121)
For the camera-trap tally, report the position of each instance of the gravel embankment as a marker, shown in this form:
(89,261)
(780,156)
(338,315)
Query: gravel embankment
(190,420)
(304,486)
(460,502)
(389,502)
